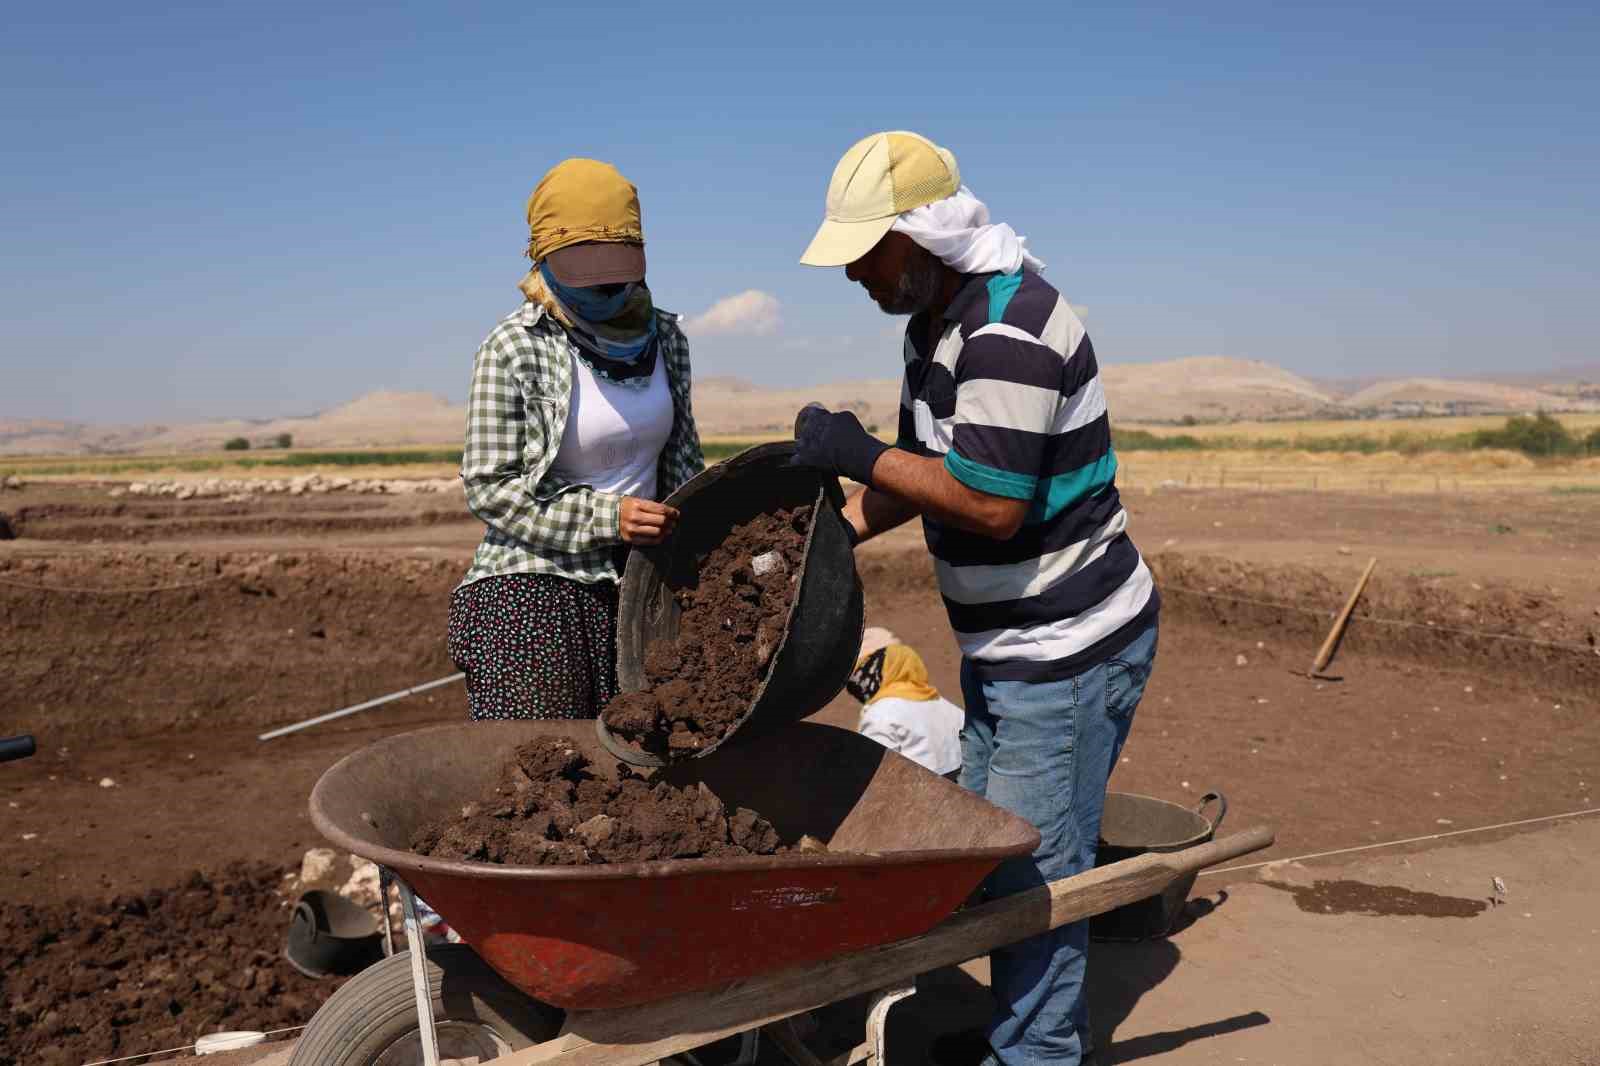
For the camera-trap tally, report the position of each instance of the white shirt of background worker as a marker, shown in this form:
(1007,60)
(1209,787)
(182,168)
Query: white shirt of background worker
(900,709)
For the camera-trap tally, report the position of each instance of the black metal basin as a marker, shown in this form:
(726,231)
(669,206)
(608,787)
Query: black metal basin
(823,633)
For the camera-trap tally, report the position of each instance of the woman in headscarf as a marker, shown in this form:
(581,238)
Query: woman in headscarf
(900,708)
(578,422)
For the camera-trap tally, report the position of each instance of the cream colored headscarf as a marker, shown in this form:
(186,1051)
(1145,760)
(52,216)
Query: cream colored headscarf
(896,670)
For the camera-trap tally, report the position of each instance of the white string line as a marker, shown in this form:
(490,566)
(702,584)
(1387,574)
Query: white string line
(186,1047)
(1408,840)
(1431,627)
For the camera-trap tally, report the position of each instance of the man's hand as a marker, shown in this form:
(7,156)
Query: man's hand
(646,522)
(835,441)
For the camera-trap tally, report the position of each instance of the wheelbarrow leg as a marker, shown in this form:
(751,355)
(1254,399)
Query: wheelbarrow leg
(877,1019)
(385,880)
(419,976)
(873,1051)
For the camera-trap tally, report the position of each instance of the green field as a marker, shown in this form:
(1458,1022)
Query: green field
(268,464)
(1538,437)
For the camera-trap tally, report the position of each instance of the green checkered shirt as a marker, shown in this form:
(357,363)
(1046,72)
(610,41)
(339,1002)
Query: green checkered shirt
(517,409)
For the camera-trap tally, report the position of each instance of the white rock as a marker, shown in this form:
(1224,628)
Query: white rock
(595,831)
(363,887)
(339,483)
(317,865)
(138,488)
(1288,872)
(1241,660)
(186,493)
(117,493)
(106,782)
(767,562)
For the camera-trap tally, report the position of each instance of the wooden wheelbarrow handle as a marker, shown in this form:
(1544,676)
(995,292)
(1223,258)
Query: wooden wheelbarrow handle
(632,1036)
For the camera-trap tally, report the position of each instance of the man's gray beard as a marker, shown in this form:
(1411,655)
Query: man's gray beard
(917,288)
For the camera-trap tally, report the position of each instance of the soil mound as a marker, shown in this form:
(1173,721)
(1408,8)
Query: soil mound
(1518,631)
(550,809)
(86,980)
(124,641)
(703,683)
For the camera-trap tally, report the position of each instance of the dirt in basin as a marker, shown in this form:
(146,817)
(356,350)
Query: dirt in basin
(549,808)
(702,684)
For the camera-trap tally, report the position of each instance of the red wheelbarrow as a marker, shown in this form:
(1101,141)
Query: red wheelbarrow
(652,959)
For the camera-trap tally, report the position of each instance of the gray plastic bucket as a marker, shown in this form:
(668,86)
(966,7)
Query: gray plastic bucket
(1137,825)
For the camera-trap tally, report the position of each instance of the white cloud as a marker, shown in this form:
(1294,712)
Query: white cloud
(750,313)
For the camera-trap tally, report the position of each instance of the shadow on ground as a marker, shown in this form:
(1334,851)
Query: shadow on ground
(953,999)
(1121,974)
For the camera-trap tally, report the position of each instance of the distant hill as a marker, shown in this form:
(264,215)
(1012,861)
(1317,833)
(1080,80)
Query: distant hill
(1207,389)
(732,406)
(1431,395)
(1210,389)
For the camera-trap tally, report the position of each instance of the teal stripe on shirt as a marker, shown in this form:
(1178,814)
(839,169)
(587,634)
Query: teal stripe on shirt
(1002,287)
(989,479)
(1056,494)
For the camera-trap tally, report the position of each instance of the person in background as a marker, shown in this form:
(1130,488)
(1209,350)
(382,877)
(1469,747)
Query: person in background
(1004,451)
(578,421)
(900,708)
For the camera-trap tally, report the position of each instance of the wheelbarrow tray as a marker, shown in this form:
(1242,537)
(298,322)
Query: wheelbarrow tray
(906,847)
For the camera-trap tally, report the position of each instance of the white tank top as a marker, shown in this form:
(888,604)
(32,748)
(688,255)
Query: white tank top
(614,435)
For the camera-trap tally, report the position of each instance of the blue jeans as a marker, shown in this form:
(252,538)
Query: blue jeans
(1043,750)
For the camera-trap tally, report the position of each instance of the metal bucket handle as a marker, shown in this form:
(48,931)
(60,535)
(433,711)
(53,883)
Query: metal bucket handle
(1222,812)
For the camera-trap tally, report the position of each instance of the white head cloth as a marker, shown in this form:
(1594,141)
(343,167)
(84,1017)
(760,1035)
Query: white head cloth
(957,230)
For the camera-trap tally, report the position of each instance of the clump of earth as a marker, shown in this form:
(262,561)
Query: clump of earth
(549,808)
(92,979)
(701,684)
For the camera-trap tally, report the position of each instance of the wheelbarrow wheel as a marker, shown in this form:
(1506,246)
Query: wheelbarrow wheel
(372,1019)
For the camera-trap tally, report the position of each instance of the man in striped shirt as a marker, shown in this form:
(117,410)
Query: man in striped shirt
(1004,450)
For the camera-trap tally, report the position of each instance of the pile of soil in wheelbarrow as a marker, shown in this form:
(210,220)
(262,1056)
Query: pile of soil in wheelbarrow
(703,683)
(549,808)
(94,979)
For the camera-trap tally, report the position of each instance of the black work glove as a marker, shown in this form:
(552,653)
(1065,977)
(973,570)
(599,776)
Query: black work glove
(835,441)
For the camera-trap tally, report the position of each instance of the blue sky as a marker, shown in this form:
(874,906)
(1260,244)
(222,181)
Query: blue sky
(225,208)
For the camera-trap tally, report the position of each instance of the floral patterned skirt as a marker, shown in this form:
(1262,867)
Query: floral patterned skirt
(535,645)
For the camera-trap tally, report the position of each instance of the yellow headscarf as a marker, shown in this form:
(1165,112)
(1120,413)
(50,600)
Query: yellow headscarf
(896,670)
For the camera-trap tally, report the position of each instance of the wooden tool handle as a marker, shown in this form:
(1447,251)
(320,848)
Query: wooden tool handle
(1336,634)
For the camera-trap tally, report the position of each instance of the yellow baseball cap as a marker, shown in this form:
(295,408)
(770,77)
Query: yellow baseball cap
(584,218)
(880,178)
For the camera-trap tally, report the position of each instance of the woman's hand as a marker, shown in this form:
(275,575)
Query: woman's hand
(645,521)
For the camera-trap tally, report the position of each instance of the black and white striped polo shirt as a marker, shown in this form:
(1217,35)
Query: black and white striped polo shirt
(1010,397)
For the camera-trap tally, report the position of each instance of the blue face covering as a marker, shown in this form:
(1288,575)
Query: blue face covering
(587,301)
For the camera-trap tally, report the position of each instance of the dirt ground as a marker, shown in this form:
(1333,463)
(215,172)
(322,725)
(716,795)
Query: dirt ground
(149,646)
